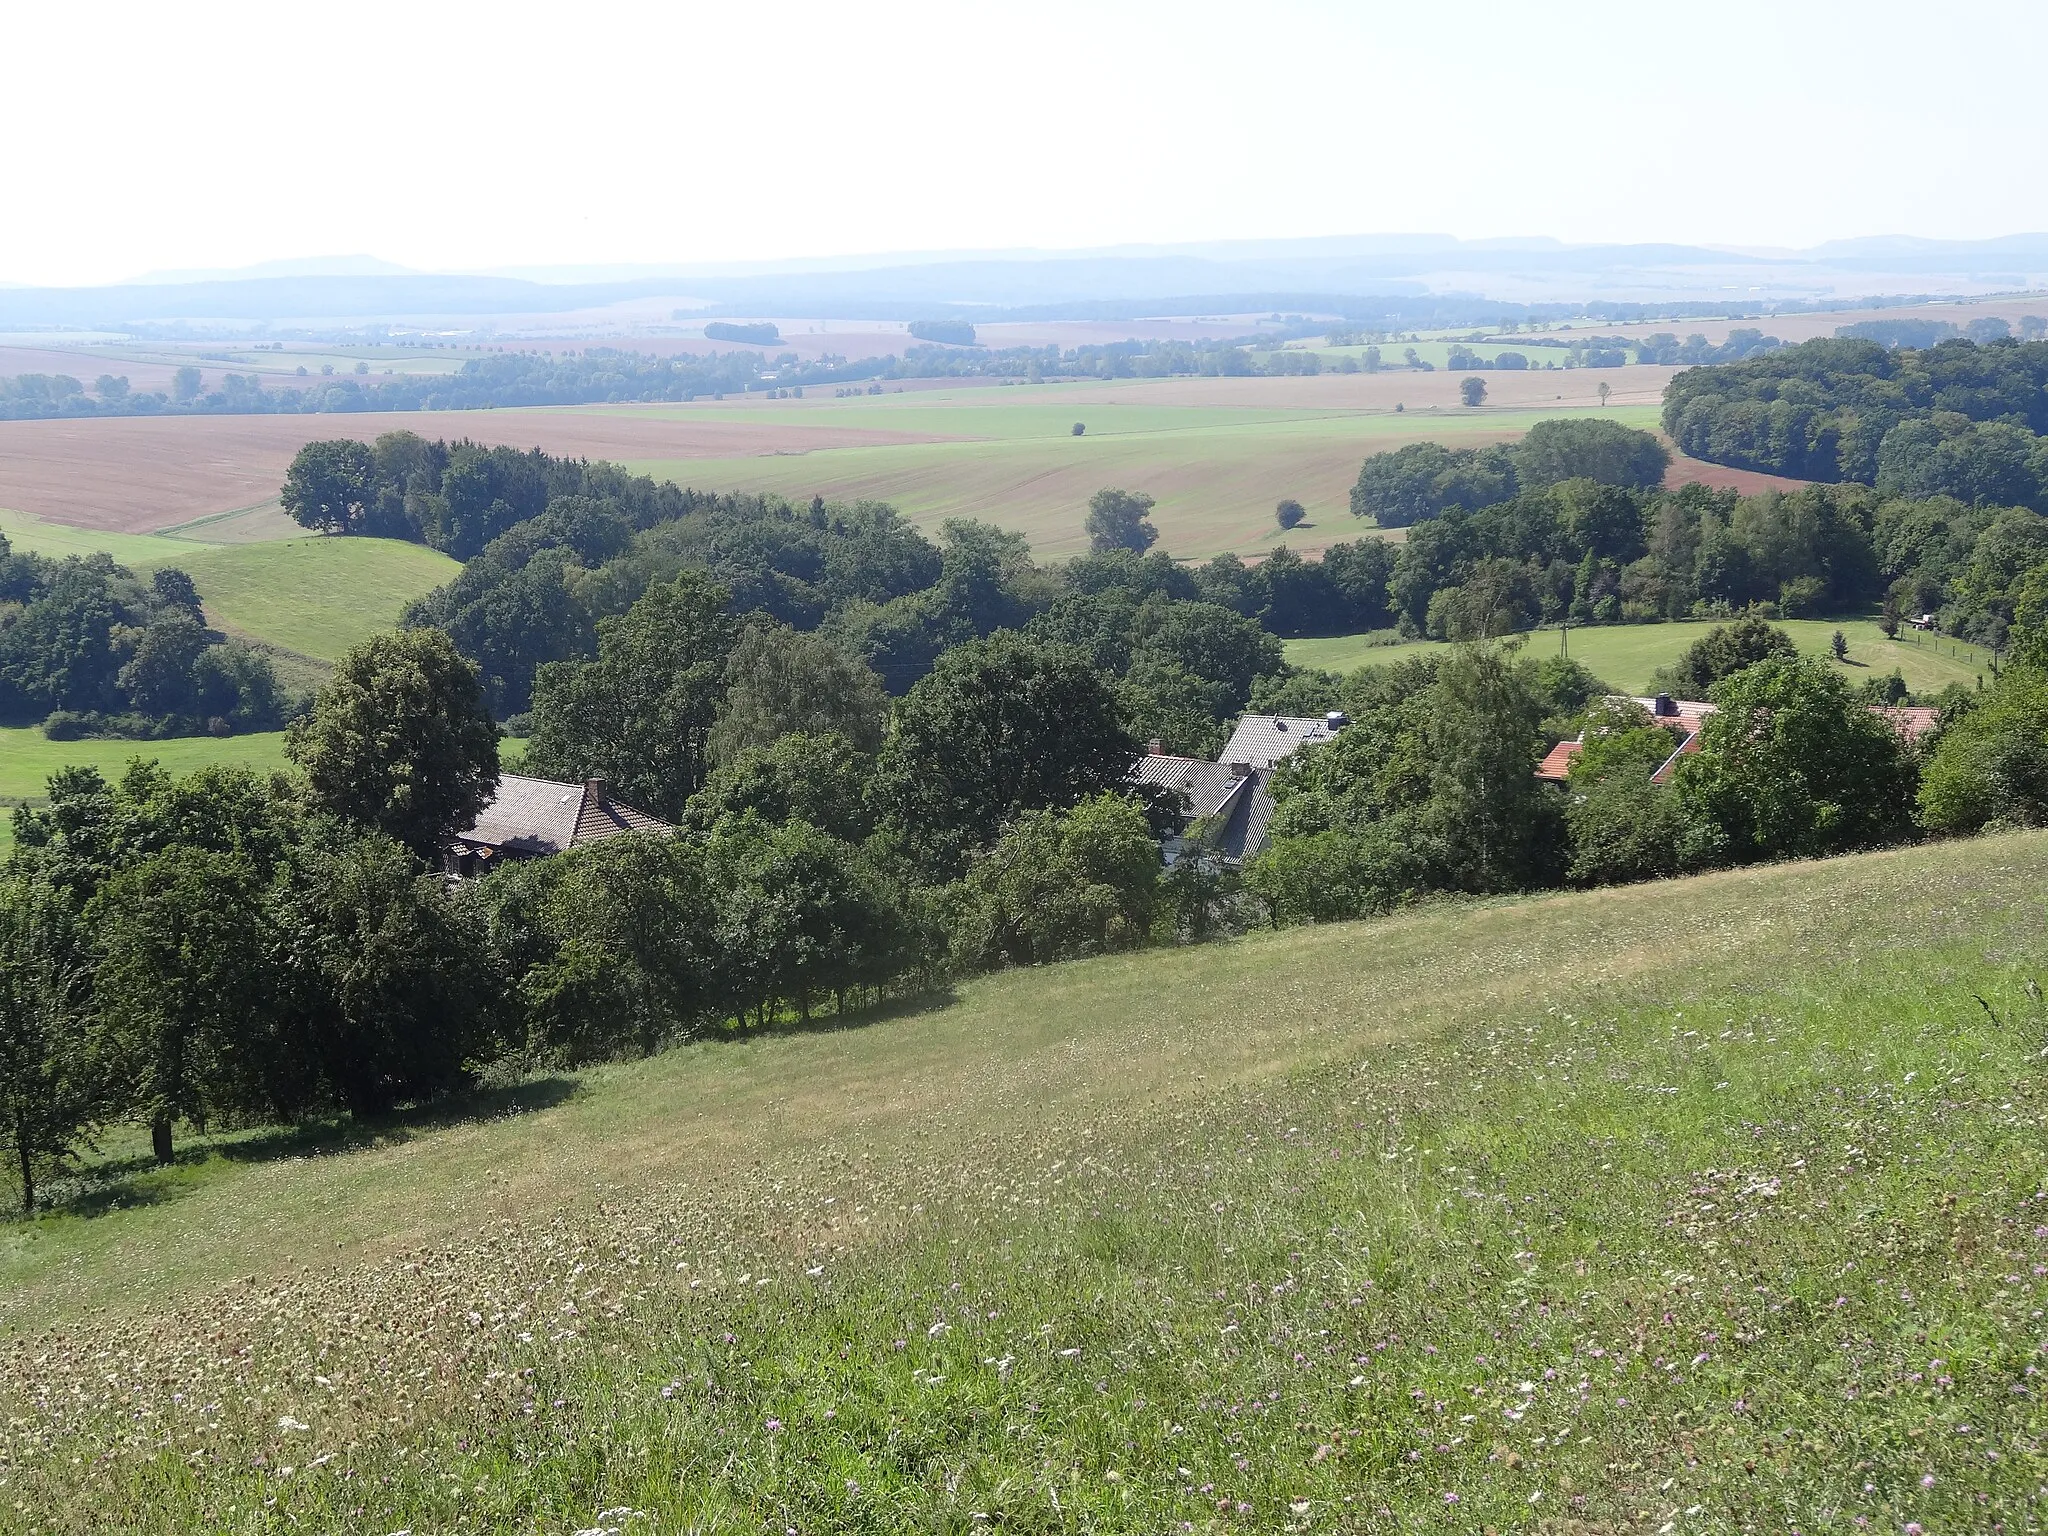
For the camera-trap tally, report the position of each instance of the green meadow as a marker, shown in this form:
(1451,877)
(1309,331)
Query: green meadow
(1628,655)
(307,598)
(1705,1206)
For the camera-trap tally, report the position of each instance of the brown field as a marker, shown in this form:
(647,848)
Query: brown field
(1750,482)
(85,365)
(138,474)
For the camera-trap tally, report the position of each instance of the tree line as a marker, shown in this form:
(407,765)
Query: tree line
(89,649)
(555,547)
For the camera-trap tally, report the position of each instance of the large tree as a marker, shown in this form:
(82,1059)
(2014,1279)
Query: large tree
(331,485)
(1000,727)
(640,714)
(52,1086)
(400,740)
(780,681)
(180,984)
(1116,520)
(382,971)
(1792,765)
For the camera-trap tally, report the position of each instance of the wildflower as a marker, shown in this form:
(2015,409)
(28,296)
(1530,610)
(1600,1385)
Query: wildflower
(773,1426)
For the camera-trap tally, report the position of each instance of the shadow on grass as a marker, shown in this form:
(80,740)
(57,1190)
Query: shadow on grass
(127,1182)
(826,1023)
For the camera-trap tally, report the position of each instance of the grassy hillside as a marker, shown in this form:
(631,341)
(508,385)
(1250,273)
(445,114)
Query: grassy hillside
(310,598)
(1709,1205)
(1627,655)
(35,535)
(313,597)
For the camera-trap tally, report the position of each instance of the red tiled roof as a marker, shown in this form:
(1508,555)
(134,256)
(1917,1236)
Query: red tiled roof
(1557,766)
(1911,723)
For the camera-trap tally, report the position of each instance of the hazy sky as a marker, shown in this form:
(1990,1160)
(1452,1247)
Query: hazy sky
(484,135)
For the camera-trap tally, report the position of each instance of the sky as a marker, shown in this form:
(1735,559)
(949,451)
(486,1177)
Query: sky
(469,137)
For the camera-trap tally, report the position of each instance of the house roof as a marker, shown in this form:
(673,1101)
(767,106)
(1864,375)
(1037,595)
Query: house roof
(1556,766)
(1263,740)
(1240,802)
(538,816)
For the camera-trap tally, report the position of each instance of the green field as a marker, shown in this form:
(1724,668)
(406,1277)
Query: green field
(1627,655)
(1705,1206)
(313,597)
(1011,457)
(34,535)
(308,598)
(28,758)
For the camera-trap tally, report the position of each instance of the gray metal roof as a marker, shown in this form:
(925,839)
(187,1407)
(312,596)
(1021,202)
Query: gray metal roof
(1263,740)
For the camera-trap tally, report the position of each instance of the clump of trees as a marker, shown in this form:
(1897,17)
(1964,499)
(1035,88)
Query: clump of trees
(950,333)
(89,649)
(1419,481)
(751,333)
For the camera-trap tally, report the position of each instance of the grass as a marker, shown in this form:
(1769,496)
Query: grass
(28,758)
(34,535)
(313,597)
(309,597)
(1711,1205)
(1010,456)
(1628,655)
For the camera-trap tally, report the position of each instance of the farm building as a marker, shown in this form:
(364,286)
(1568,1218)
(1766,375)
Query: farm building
(532,818)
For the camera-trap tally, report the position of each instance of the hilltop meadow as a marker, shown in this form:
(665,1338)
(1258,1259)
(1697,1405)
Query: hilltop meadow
(1609,1211)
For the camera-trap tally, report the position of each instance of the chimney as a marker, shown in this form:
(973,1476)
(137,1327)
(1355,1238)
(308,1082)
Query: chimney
(1665,706)
(1335,721)
(593,790)
(1240,770)
(1156,747)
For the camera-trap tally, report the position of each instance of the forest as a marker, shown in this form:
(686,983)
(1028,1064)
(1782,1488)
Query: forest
(1957,419)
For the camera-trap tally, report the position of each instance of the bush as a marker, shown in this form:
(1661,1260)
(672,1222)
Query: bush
(1328,877)
(1059,884)
(1990,767)
(1289,513)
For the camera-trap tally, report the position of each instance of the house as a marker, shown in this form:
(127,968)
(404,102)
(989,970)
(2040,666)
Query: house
(1232,797)
(1263,740)
(532,818)
(1684,718)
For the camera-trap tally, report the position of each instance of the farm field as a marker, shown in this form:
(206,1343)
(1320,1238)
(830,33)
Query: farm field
(1626,655)
(312,597)
(142,474)
(1215,453)
(307,597)
(1599,1212)
(1218,453)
